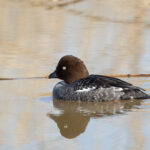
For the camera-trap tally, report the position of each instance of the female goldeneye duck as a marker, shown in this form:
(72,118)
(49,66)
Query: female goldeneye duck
(77,84)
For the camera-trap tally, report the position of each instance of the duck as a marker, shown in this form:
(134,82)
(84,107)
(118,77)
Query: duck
(78,85)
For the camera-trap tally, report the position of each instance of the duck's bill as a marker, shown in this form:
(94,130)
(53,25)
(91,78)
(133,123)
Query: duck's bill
(52,75)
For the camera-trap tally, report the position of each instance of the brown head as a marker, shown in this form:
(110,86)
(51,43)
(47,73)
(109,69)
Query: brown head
(70,69)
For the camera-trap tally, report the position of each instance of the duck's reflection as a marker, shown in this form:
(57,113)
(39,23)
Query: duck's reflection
(75,115)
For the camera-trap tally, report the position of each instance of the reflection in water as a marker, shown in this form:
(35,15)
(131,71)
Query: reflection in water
(110,36)
(75,115)
(53,3)
(70,124)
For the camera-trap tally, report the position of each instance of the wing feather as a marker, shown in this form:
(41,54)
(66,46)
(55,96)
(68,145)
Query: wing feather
(99,81)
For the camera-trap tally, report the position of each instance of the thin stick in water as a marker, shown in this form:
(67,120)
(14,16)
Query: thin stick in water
(110,75)
(25,78)
(128,75)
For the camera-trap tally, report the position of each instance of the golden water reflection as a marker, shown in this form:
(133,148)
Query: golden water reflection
(74,116)
(110,36)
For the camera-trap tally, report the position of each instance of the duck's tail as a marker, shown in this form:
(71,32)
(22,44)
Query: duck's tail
(135,94)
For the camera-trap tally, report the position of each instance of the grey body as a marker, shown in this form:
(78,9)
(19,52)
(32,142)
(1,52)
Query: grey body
(64,91)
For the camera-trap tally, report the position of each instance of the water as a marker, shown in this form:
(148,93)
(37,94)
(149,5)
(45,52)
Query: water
(109,36)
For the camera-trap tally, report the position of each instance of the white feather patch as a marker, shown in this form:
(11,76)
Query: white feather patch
(118,89)
(86,89)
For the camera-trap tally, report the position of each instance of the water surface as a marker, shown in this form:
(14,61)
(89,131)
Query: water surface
(110,36)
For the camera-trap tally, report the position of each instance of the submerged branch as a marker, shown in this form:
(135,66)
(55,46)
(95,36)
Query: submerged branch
(128,75)
(110,75)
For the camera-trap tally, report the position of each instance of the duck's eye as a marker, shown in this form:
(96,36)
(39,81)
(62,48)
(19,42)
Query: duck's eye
(64,68)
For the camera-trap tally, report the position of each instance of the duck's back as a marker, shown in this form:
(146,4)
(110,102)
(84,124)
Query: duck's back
(98,88)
